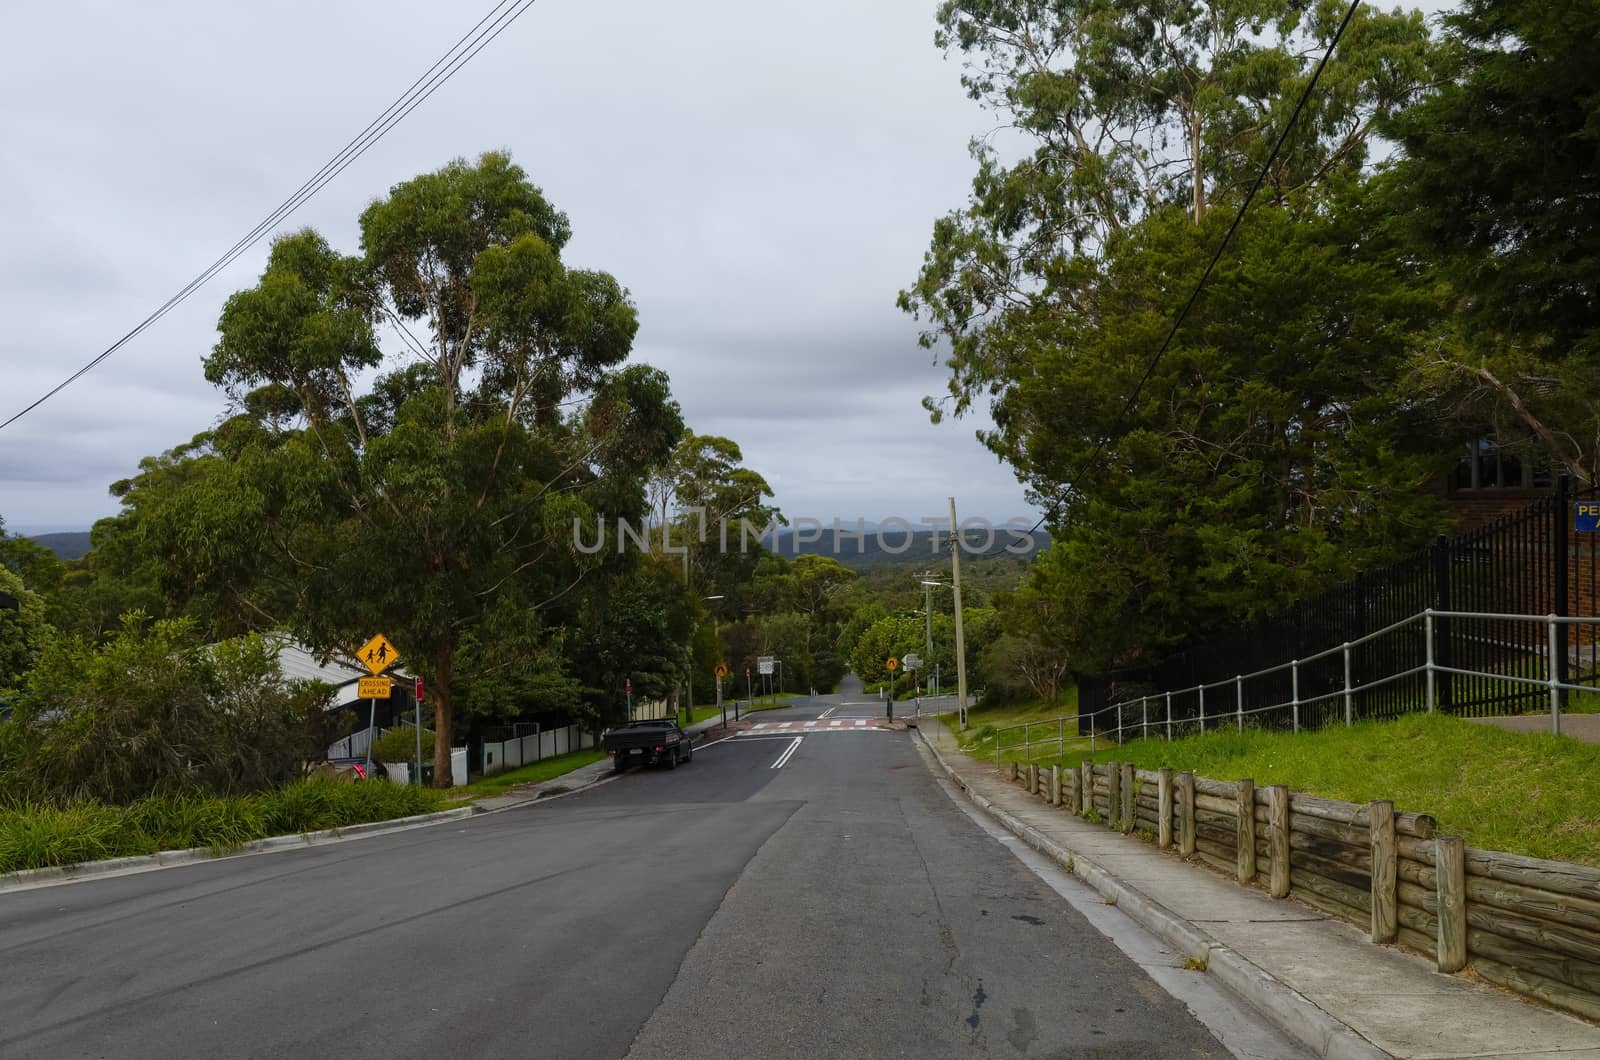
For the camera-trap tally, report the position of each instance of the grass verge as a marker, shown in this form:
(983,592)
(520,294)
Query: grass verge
(1524,793)
(38,836)
(984,724)
(548,769)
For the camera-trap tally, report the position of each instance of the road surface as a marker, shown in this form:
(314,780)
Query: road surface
(816,894)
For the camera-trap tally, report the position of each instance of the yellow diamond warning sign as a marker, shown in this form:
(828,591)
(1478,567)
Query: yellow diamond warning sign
(378,654)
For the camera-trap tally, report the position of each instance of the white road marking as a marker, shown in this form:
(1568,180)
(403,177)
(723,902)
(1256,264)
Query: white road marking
(827,713)
(798,740)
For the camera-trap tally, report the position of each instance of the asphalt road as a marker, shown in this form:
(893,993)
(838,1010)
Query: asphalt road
(839,904)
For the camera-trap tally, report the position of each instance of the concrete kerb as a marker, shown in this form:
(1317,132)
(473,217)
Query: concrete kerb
(1289,1010)
(28,878)
(86,870)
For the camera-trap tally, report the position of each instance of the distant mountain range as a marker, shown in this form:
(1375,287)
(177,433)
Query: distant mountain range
(73,544)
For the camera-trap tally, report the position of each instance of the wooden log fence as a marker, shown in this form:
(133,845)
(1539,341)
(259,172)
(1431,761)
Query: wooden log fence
(1530,925)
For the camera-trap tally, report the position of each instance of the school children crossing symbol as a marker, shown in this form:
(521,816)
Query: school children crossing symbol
(378,654)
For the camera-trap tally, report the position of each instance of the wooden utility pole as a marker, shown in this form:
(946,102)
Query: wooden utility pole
(961,642)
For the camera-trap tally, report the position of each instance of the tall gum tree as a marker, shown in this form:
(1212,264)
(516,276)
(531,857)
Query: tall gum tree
(357,491)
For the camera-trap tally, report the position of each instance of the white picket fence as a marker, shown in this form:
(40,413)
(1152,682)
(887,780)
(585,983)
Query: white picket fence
(353,746)
(535,747)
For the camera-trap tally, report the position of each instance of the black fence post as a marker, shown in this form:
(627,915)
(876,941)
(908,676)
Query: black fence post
(1443,628)
(1563,562)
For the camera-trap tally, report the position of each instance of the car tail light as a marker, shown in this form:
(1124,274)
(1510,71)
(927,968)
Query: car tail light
(660,748)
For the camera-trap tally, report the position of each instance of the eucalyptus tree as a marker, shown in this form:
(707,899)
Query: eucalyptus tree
(428,490)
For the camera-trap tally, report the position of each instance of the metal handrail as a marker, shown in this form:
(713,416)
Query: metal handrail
(1431,668)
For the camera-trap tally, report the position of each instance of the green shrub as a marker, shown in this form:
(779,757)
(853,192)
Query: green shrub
(400,745)
(180,822)
(35,835)
(154,710)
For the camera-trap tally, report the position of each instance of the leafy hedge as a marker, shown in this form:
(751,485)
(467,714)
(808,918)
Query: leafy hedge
(38,835)
(400,745)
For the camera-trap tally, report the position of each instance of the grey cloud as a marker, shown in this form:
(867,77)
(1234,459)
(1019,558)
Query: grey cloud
(762,179)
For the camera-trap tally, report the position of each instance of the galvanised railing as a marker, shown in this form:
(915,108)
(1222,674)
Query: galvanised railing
(1516,641)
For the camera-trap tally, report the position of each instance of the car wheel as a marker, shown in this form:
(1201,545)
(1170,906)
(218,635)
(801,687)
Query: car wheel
(688,752)
(618,765)
(672,759)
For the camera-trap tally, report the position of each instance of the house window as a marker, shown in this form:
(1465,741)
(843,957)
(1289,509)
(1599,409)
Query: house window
(1489,466)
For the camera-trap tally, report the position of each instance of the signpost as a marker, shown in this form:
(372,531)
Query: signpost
(764,667)
(419,698)
(722,671)
(377,655)
(893,664)
(913,662)
(627,688)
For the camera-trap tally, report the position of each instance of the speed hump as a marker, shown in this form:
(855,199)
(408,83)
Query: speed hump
(893,663)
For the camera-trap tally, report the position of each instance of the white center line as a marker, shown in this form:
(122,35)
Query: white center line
(788,753)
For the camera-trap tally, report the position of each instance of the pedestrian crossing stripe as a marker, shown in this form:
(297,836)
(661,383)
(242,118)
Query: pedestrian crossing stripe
(820,725)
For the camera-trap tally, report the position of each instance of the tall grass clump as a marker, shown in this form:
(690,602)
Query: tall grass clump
(37,835)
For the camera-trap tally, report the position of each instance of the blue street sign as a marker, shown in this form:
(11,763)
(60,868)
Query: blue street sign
(1586,517)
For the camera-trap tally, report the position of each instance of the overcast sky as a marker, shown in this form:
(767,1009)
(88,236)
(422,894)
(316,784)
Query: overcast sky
(763,178)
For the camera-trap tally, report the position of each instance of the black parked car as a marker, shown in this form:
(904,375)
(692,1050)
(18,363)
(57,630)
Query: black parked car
(647,743)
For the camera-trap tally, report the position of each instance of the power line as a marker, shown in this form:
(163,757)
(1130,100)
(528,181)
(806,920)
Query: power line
(480,36)
(1261,177)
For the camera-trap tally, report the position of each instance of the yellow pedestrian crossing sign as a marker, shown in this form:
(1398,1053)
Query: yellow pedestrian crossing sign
(378,654)
(374,688)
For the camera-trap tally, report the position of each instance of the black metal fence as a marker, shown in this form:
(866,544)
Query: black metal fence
(1526,563)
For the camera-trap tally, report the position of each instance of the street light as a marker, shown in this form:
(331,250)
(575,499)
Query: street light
(927,596)
(688,679)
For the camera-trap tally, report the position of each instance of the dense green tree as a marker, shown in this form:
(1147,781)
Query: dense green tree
(702,500)
(1268,453)
(155,711)
(447,494)
(638,629)
(36,565)
(24,630)
(1498,195)
(1040,620)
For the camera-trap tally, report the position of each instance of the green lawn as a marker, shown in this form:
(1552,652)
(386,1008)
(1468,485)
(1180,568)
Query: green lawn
(548,769)
(1534,794)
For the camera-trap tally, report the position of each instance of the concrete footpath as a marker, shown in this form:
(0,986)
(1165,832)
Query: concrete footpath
(1319,980)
